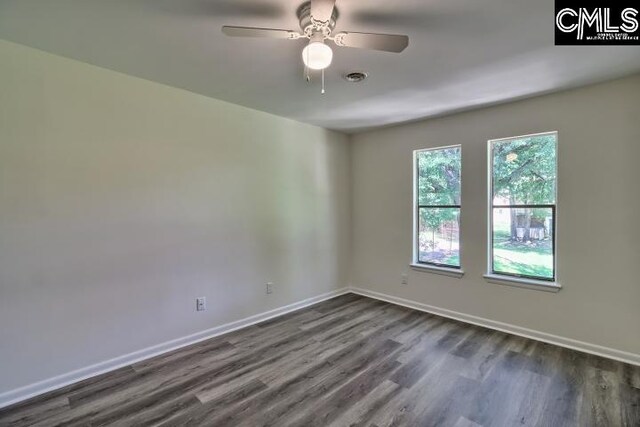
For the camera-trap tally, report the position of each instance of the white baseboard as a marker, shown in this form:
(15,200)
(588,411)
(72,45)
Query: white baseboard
(13,396)
(31,390)
(611,353)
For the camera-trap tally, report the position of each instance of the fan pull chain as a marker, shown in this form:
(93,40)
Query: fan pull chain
(322,91)
(306,69)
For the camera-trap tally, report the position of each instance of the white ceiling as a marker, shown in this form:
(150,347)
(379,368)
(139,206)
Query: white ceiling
(461,54)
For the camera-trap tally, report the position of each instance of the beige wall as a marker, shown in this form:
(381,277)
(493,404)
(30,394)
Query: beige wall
(122,200)
(598,214)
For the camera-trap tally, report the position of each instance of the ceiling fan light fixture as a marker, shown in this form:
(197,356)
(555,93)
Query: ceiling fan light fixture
(317,55)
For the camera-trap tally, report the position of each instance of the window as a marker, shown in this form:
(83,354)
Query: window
(437,207)
(522,206)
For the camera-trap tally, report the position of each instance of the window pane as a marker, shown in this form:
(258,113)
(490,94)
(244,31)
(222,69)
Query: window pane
(439,236)
(439,176)
(524,171)
(523,242)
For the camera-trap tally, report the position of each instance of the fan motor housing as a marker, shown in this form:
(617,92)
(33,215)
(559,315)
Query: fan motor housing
(308,26)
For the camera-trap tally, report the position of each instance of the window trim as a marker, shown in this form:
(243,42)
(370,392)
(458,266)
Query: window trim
(432,268)
(539,285)
(526,281)
(449,270)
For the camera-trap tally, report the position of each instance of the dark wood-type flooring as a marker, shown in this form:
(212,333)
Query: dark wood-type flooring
(352,361)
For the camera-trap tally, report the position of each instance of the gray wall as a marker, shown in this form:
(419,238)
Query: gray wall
(598,214)
(122,200)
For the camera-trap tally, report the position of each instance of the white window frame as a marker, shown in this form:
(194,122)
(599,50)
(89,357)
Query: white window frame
(503,279)
(415,264)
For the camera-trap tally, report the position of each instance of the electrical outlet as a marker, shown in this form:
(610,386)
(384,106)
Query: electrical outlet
(269,288)
(404,278)
(201,304)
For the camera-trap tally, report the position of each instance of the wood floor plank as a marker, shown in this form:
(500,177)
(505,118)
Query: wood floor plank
(337,303)
(35,413)
(601,406)
(351,361)
(364,411)
(421,355)
(501,394)
(463,422)
(183,355)
(203,414)
(337,403)
(444,406)
(314,382)
(478,366)
(156,412)
(630,405)
(565,392)
(472,342)
(440,370)
(630,375)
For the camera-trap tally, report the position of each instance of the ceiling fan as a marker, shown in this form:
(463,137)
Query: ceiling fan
(317,21)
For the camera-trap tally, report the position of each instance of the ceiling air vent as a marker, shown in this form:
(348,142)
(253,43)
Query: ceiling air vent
(355,77)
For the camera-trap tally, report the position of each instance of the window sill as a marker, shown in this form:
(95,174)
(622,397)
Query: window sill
(446,271)
(539,285)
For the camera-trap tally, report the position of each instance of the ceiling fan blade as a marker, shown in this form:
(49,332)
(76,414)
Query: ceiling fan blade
(321,10)
(272,33)
(386,42)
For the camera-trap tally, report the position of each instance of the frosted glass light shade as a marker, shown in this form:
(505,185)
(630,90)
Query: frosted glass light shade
(317,55)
